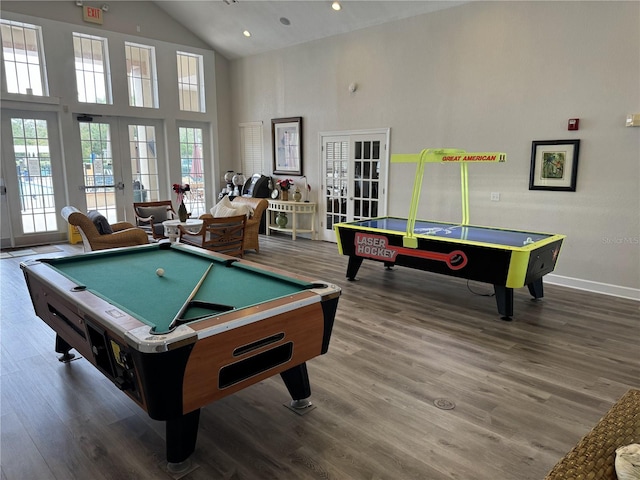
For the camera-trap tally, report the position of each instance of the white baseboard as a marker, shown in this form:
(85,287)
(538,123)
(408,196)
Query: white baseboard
(596,287)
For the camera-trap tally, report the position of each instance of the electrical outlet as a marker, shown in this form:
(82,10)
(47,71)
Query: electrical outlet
(495,196)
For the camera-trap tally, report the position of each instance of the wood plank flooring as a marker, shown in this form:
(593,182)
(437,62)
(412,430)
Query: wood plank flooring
(524,391)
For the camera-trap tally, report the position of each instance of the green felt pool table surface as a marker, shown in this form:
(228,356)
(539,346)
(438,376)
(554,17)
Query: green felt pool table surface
(127,279)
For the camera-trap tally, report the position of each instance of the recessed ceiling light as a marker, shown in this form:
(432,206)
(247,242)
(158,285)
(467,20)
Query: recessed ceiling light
(246,33)
(285,21)
(336,6)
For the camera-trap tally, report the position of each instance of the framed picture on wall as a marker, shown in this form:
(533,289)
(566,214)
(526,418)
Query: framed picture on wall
(287,145)
(554,165)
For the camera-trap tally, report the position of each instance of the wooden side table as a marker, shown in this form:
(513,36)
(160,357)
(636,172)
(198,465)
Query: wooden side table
(292,210)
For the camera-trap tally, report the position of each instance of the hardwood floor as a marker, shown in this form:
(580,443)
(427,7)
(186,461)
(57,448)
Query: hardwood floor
(524,391)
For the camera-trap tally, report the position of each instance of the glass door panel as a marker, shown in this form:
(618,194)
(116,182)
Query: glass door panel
(34,177)
(366,177)
(144,163)
(336,160)
(32,180)
(192,169)
(98,167)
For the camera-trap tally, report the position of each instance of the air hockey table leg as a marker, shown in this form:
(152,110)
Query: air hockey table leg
(353,266)
(504,300)
(535,289)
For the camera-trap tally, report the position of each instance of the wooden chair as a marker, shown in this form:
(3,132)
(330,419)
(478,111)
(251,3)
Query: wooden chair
(259,205)
(223,235)
(124,233)
(150,215)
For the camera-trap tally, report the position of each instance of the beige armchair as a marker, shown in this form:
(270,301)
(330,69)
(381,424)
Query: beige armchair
(251,237)
(124,234)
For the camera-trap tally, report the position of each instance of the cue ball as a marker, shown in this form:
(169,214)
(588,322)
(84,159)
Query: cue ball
(160,272)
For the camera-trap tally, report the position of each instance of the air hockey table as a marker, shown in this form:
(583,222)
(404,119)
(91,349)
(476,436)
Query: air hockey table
(507,259)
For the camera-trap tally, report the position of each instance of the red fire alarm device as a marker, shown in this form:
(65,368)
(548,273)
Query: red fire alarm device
(573,124)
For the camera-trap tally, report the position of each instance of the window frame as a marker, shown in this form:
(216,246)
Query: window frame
(42,64)
(200,92)
(153,78)
(106,75)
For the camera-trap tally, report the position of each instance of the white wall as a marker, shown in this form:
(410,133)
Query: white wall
(484,76)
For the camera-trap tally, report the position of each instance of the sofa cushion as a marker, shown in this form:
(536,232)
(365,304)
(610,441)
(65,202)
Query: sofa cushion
(258,206)
(226,208)
(160,214)
(101,223)
(627,462)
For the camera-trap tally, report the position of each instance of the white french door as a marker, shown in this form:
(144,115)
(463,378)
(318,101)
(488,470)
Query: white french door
(354,173)
(121,163)
(32,182)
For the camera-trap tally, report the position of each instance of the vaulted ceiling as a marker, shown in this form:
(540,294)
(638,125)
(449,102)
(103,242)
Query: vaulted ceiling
(278,24)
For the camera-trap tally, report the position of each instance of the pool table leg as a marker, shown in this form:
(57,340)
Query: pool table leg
(296,380)
(354,266)
(182,433)
(63,347)
(504,300)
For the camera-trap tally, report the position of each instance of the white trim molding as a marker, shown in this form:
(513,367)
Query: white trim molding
(596,287)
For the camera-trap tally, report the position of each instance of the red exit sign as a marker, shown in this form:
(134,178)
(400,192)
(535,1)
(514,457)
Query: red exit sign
(92,14)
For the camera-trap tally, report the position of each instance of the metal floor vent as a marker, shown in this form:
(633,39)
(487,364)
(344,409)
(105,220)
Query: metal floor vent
(444,404)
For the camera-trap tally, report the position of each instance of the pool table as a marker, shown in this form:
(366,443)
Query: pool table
(507,259)
(208,326)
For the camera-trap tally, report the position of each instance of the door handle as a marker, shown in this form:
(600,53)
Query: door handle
(118,186)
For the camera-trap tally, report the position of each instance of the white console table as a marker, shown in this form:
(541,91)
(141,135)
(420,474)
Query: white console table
(292,210)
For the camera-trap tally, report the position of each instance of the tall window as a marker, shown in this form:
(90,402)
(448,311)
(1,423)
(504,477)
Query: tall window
(192,169)
(190,82)
(93,79)
(33,169)
(24,64)
(142,77)
(251,151)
